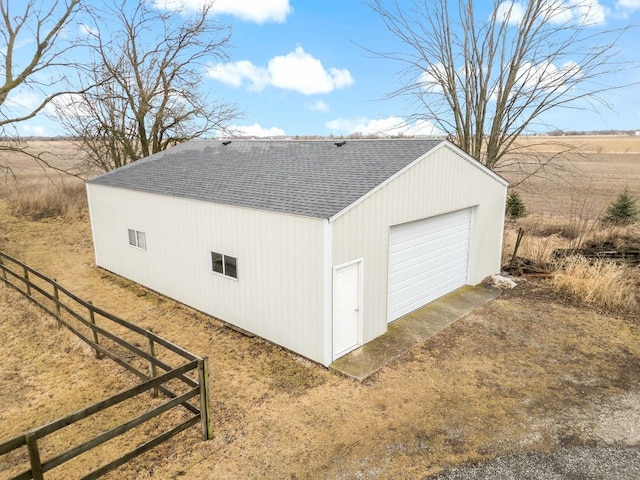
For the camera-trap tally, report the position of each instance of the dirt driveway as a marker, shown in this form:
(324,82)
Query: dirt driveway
(584,463)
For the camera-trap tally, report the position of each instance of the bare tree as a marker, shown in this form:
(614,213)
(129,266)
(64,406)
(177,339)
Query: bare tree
(144,93)
(486,79)
(33,52)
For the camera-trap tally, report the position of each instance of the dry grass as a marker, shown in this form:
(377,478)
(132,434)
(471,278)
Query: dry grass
(543,234)
(34,190)
(544,226)
(525,372)
(602,283)
(620,236)
(36,201)
(525,368)
(509,378)
(533,246)
(588,144)
(63,155)
(47,373)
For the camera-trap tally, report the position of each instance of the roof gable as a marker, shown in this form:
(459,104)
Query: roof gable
(313,178)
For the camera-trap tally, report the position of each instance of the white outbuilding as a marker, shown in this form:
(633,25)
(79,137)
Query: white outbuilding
(315,245)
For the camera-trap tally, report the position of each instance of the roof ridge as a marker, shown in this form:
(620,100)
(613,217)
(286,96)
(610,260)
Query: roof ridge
(308,177)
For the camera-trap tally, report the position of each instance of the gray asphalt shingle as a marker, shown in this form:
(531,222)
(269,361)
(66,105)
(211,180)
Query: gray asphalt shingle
(313,178)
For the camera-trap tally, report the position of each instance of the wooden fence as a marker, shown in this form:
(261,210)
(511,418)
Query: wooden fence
(94,326)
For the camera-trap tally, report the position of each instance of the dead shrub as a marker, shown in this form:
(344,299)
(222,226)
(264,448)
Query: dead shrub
(38,201)
(544,234)
(537,244)
(619,236)
(544,226)
(602,283)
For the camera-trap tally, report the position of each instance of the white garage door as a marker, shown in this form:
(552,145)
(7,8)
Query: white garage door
(427,259)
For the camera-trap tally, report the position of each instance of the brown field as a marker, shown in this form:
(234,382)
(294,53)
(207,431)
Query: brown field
(608,144)
(585,180)
(534,370)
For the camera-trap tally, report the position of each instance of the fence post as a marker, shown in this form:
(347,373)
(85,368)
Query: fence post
(56,295)
(152,365)
(205,401)
(26,278)
(34,457)
(94,334)
(4,272)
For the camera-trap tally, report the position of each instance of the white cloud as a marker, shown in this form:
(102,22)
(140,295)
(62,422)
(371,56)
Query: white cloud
(623,8)
(346,125)
(297,71)
(589,12)
(546,75)
(71,104)
(511,12)
(33,130)
(429,78)
(234,74)
(319,106)
(628,4)
(586,12)
(87,30)
(255,130)
(258,11)
(390,126)
(24,99)
(558,12)
(303,73)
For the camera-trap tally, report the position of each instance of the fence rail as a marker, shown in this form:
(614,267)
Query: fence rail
(82,318)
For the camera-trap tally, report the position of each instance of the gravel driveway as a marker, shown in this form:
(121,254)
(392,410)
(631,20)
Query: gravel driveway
(576,463)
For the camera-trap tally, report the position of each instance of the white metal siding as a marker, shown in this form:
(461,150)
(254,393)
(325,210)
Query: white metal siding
(279,294)
(443,181)
(427,259)
(285,262)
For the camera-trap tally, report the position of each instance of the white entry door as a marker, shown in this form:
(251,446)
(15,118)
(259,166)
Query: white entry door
(427,259)
(346,308)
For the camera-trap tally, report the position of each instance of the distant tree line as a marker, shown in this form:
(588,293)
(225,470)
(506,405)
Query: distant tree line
(562,133)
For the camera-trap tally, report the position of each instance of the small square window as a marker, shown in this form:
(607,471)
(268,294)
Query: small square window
(137,239)
(216,262)
(132,238)
(230,264)
(224,265)
(142,240)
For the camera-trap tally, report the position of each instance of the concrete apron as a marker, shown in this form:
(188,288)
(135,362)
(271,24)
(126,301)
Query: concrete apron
(411,330)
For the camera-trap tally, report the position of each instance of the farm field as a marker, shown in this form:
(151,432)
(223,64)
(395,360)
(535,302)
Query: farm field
(530,371)
(587,179)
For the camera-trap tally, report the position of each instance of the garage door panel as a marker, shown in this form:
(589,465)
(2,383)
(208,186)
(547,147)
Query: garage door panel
(418,284)
(402,239)
(445,246)
(436,224)
(439,276)
(427,259)
(428,270)
(403,242)
(414,297)
(430,246)
(445,254)
(413,303)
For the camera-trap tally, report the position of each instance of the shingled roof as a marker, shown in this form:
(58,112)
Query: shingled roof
(314,178)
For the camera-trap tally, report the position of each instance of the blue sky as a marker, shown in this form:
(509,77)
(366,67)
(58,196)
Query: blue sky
(298,67)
